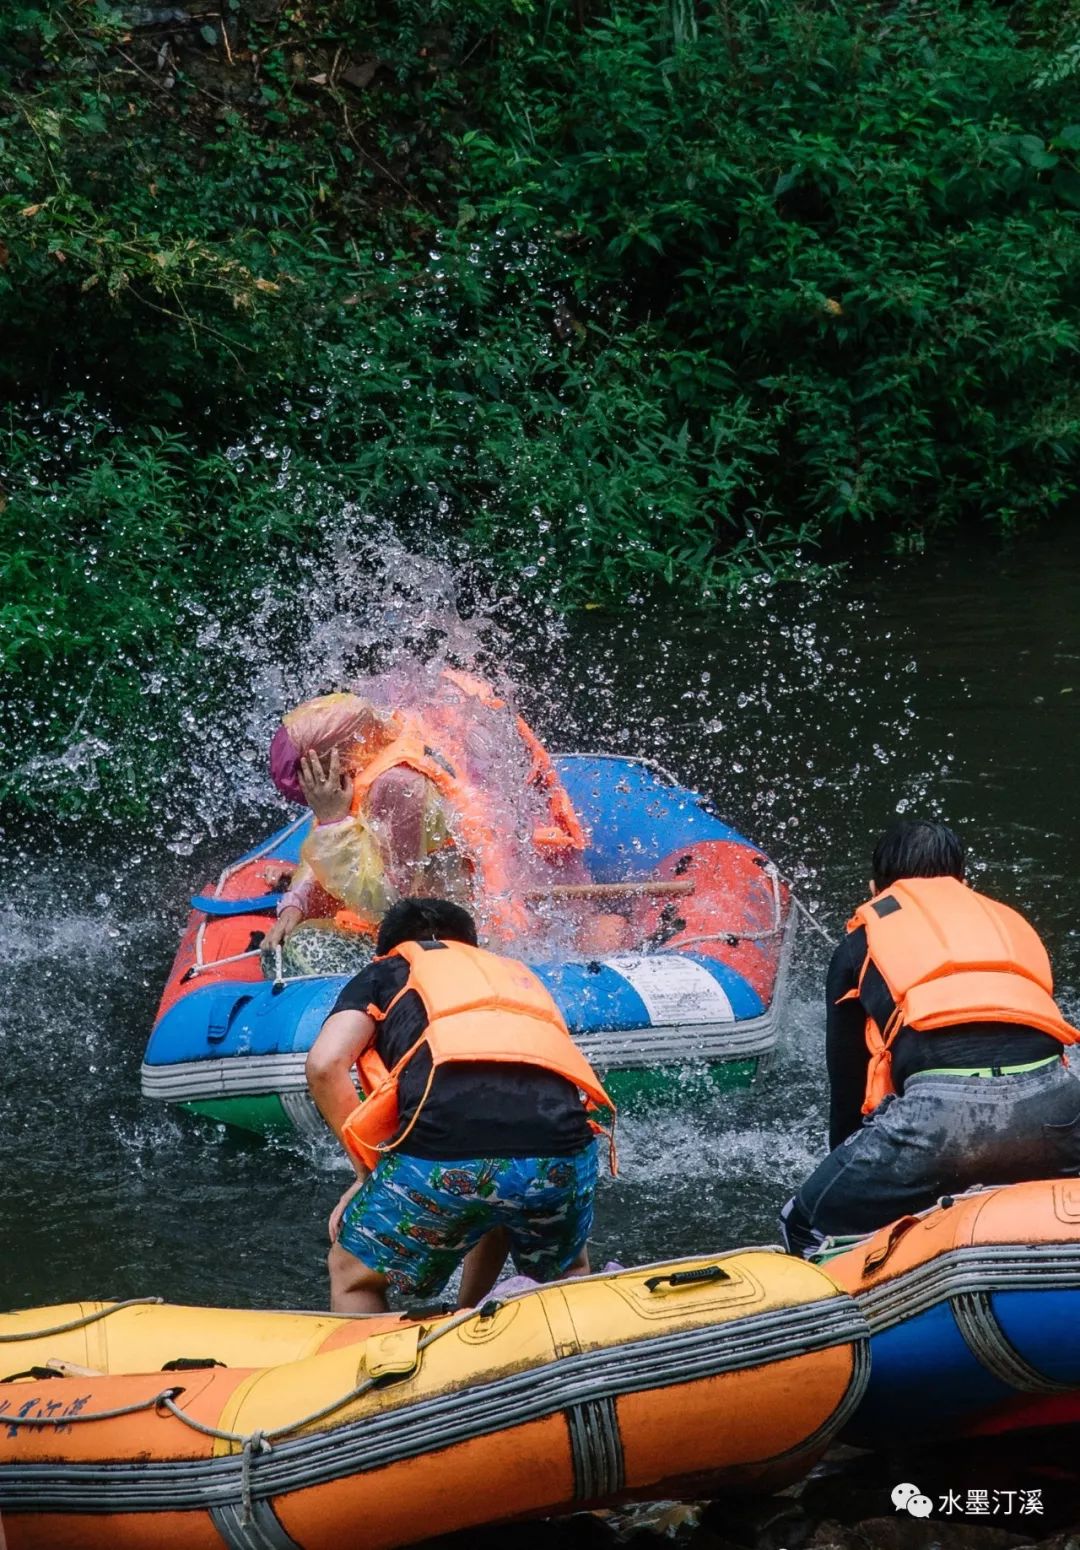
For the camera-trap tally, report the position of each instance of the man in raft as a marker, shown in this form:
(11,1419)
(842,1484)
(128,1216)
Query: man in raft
(453,796)
(476,1124)
(944,1046)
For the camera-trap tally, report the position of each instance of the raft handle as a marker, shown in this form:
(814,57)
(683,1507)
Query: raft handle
(192,1363)
(688,1278)
(876,1257)
(32,1372)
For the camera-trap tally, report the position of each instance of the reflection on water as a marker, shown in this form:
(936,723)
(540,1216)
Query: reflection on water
(810,717)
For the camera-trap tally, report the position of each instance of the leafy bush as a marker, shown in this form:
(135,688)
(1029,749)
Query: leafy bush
(621,293)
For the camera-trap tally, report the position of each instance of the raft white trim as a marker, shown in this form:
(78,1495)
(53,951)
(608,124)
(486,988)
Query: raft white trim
(282,1075)
(609,1049)
(972,1269)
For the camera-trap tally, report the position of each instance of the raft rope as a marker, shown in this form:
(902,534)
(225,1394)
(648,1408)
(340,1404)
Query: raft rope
(201,965)
(806,913)
(776,877)
(263,850)
(797,903)
(80,1323)
(624,758)
(251,1443)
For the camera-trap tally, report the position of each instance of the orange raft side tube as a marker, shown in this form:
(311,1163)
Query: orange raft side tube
(697,1375)
(217,940)
(1040,1213)
(737,912)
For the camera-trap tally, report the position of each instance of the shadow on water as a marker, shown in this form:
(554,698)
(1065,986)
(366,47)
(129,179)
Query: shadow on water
(810,716)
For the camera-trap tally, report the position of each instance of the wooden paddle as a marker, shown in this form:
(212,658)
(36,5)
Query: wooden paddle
(609,890)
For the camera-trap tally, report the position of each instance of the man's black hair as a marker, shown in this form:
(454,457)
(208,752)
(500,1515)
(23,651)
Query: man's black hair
(917,848)
(424,920)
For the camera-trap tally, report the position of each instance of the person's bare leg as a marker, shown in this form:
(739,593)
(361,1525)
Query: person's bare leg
(353,1287)
(580,1267)
(481,1267)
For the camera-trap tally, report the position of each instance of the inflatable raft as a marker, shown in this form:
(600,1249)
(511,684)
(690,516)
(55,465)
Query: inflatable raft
(974,1313)
(703,995)
(134,1424)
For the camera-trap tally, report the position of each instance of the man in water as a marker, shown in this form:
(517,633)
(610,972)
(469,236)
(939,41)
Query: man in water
(944,1047)
(474,1127)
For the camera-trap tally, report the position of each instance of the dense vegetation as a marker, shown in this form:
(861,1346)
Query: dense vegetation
(613,290)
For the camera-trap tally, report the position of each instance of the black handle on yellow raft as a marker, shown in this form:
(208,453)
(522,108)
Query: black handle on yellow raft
(688,1277)
(37,1373)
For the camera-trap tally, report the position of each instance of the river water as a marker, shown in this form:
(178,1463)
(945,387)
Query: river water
(812,715)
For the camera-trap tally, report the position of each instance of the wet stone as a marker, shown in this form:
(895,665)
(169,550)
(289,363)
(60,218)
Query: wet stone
(834,1536)
(759,1523)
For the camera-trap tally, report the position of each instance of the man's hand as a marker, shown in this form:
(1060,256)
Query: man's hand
(328,793)
(339,1210)
(283,926)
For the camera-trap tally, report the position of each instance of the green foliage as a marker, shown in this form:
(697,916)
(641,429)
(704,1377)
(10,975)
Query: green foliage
(622,293)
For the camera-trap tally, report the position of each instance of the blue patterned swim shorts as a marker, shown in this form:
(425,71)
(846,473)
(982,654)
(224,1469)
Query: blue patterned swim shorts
(415,1220)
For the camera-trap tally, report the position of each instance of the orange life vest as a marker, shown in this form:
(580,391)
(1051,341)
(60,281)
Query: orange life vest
(475,833)
(432,753)
(564,832)
(480,1006)
(950,956)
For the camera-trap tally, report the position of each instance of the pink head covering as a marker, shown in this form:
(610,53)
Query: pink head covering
(342,721)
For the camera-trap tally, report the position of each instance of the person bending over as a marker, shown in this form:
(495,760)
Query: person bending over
(944,1047)
(476,1122)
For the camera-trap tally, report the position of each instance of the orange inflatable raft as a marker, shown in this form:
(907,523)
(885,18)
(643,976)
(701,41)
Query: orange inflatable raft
(974,1313)
(136,1424)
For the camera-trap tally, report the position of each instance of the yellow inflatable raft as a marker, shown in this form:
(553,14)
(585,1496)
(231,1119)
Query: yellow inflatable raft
(139,1424)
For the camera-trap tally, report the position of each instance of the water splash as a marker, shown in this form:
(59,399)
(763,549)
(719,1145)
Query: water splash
(772,705)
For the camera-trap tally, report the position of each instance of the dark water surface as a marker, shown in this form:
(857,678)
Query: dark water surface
(812,716)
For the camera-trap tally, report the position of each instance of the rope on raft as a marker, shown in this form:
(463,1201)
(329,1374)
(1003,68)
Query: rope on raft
(263,850)
(258,1441)
(625,758)
(660,886)
(537,895)
(200,964)
(807,914)
(80,1323)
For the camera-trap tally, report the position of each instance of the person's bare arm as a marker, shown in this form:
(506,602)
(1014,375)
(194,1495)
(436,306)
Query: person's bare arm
(342,1038)
(283,926)
(293,907)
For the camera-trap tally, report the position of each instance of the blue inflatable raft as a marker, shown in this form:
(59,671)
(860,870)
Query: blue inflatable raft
(700,995)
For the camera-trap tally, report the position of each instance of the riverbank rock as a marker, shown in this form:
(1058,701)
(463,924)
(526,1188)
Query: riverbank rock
(907,1533)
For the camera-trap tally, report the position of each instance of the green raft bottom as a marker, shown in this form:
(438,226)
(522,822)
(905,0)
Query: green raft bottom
(634,1088)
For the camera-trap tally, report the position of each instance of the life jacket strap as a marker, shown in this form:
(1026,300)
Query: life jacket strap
(385,1147)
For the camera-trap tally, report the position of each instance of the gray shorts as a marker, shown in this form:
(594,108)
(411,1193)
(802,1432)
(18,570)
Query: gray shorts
(943,1135)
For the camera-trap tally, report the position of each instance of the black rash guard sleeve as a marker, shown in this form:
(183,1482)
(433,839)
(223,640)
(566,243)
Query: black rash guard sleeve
(846,1054)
